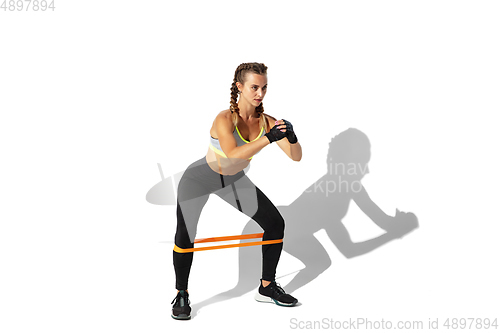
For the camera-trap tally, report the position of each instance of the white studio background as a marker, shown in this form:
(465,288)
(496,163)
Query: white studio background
(94,94)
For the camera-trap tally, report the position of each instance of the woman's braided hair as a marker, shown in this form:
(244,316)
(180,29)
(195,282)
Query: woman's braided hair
(239,76)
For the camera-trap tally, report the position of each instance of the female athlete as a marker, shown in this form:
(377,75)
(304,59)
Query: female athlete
(237,134)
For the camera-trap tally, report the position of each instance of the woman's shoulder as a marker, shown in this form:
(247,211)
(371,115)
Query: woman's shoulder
(269,117)
(270,120)
(224,114)
(224,117)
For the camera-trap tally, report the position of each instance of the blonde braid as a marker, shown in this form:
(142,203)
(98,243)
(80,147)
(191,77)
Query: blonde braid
(233,104)
(262,118)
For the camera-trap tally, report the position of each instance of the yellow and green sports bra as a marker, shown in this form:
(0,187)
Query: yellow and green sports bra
(215,145)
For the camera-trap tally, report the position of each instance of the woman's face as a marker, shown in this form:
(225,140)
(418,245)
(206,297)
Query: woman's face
(254,89)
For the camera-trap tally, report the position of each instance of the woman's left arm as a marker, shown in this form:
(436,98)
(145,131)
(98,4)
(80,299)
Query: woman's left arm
(293,150)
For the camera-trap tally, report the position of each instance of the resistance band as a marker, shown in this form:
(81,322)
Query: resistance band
(227,238)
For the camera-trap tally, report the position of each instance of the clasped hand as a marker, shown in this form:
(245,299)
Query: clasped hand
(281,129)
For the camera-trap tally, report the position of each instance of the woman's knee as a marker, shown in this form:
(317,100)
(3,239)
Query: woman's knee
(276,229)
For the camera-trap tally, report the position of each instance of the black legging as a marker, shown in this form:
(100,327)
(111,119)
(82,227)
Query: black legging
(196,184)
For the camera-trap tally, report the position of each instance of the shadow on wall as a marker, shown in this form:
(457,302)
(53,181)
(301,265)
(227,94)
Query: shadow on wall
(320,206)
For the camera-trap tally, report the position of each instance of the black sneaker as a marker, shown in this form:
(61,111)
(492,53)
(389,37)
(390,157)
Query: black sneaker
(273,293)
(181,309)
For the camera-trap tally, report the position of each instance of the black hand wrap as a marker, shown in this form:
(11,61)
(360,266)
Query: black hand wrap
(290,134)
(275,134)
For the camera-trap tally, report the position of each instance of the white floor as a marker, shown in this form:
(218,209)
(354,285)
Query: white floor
(95,96)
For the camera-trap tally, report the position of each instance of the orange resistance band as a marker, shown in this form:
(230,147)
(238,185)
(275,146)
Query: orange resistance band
(227,238)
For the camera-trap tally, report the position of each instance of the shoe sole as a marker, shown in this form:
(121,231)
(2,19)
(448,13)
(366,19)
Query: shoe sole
(181,317)
(266,299)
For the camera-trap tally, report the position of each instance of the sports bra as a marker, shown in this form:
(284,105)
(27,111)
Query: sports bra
(215,145)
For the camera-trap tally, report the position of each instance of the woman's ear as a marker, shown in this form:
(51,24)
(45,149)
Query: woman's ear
(239,86)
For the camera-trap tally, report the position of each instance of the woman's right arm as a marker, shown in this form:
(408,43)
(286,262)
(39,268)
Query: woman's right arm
(224,126)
